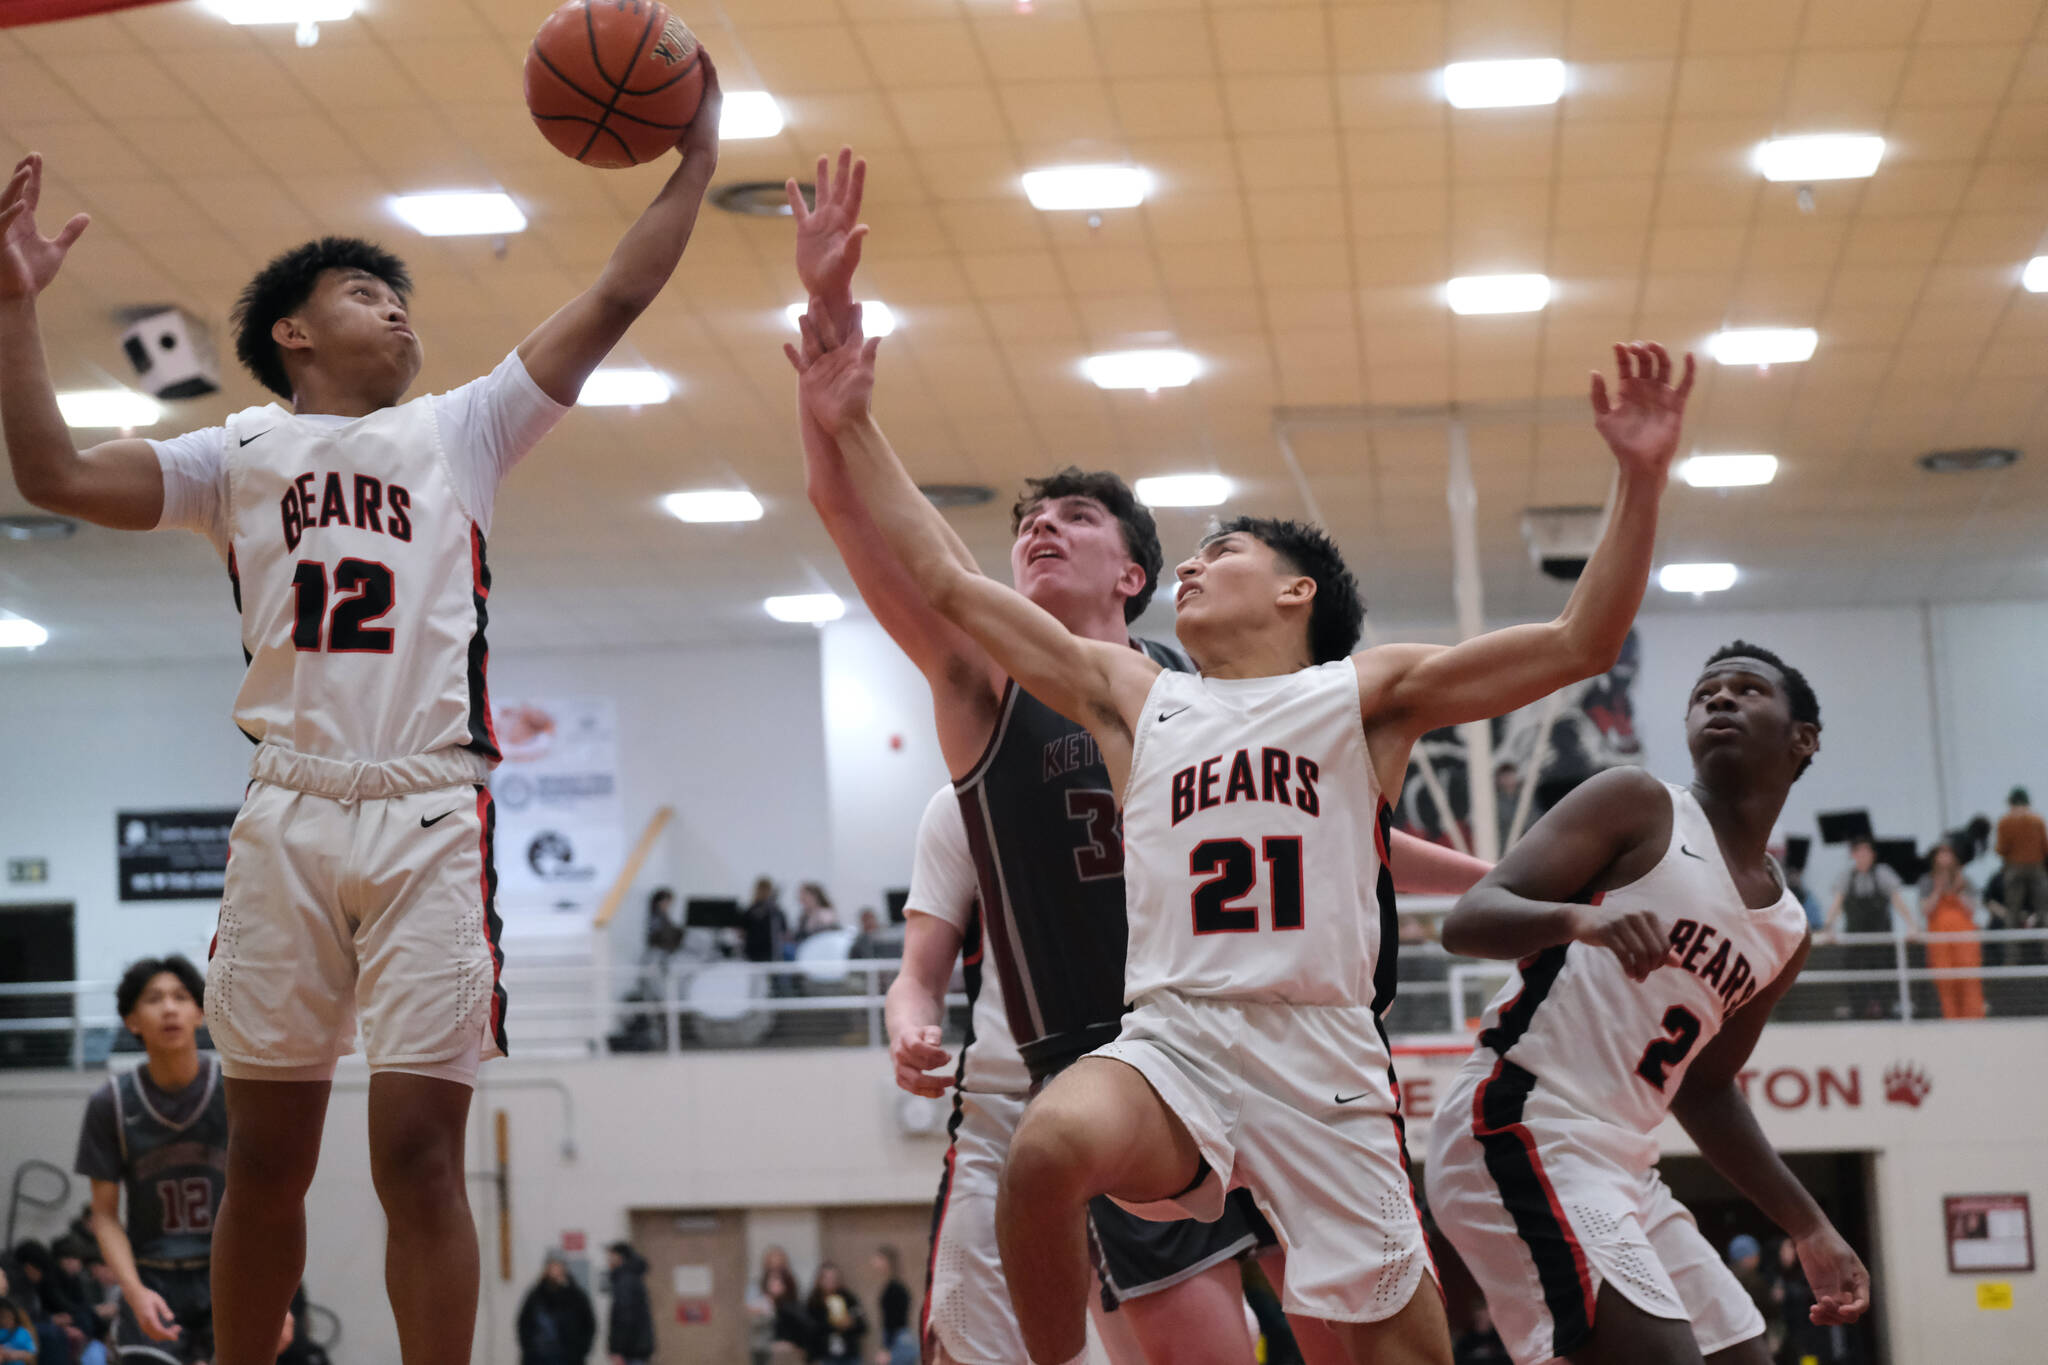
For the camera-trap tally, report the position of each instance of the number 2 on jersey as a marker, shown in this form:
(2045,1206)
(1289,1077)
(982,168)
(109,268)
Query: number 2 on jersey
(1681,1031)
(1233,873)
(348,631)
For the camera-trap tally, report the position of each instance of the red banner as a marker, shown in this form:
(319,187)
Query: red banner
(17,13)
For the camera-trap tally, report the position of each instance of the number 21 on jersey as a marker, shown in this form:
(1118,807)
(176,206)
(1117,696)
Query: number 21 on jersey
(1232,871)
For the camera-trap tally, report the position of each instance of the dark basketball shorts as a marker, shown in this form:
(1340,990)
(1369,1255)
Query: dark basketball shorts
(1137,1256)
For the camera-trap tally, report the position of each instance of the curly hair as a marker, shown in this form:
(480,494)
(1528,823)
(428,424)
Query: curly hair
(1798,691)
(1141,532)
(1336,618)
(282,287)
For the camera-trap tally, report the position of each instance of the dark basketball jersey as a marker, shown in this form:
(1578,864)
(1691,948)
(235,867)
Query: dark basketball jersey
(174,1173)
(1048,851)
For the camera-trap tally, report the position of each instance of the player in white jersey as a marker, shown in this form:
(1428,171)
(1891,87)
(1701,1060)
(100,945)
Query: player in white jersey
(1654,934)
(1253,1055)
(361,885)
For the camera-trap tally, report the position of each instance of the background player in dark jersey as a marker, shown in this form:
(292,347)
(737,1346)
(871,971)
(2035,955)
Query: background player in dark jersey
(1038,809)
(1582,882)
(159,1134)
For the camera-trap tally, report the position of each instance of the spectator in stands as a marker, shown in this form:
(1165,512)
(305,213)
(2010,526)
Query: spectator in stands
(870,928)
(1746,1259)
(17,1339)
(899,1342)
(2022,845)
(629,1327)
(55,1309)
(1865,902)
(815,913)
(766,927)
(837,1324)
(557,1325)
(1948,904)
(664,933)
(790,1334)
(1794,1301)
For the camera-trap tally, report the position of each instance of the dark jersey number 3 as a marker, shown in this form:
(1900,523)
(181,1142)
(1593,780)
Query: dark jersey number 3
(1681,1032)
(1103,855)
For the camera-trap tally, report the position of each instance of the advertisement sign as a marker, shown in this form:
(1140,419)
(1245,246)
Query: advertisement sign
(560,842)
(1988,1232)
(172,855)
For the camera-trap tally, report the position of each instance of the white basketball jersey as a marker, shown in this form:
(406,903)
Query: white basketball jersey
(1617,1049)
(361,583)
(1254,840)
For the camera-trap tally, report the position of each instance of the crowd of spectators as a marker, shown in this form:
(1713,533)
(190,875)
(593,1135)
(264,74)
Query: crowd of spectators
(57,1303)
(828,1326)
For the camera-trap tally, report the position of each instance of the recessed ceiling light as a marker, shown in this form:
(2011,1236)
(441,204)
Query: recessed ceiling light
(1183,490)
(713,504)
(1827,156)
(877,319)
(460,213)
(282,11)
(18,632)
(1729,471)
(122,408)
(1696,577)
(1147,370)
(1969,460)
(957,494)
(1763,345)
(810,608)
(748,114)
(1087,187)
(625,388)
(1497,293)
(1502,85)
(2035,276)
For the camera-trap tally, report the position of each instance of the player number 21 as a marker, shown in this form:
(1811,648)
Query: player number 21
(364,594)
(1232,871)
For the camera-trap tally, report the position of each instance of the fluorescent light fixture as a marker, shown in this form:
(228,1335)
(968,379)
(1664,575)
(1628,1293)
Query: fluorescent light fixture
(2035,276)
(1828,156)
(17,632)
(1504,85)
(282,11)
(123,408)
(1763,345)
(1696,577)
(1729,471)
(748,114)
(1147,370)
(877,319)
(1497,293)
(1183,490)
(625,389)
(460,213)
(713,504)
(809,608)
(1087,187)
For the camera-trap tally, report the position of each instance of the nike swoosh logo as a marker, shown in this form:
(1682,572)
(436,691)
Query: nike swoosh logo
(425,823)
(257,437)
(1346,1099)
(1689,853)
(1165,716)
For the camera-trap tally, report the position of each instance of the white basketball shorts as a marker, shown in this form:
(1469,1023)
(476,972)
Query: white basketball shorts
(967,1302)
(1295,1103)
(1546,1205)
(358,892)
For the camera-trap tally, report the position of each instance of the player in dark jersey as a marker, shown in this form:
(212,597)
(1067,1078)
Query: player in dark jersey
(158,1136)
(1040,815)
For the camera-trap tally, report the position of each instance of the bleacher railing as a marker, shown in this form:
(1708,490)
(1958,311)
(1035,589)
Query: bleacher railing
(576,1007)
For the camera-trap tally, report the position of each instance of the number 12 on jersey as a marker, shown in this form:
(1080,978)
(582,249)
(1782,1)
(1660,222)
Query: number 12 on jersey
(1232,871)
(368,597)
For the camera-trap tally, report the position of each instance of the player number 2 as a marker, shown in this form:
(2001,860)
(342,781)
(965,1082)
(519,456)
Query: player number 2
(367,595)
(1232,873)
(187,1204)
(1681,1031)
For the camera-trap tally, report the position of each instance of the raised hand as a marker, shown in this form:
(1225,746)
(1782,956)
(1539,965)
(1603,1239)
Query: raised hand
(828,237)
(1635,936)
(1641,425)
(29,260)
(835,375)
(699,142)
(1840,1284)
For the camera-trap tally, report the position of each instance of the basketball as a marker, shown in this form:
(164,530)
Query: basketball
(613,83)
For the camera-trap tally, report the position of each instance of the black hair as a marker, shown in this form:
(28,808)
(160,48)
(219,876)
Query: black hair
(661,893)
(1141,532)
(282,287)
(1336,618)
(136,980)
(2018,797)
(1798,691)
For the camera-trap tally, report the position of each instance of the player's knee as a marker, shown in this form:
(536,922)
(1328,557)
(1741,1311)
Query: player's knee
(416,1161)
(276,1169)
(1051,1159)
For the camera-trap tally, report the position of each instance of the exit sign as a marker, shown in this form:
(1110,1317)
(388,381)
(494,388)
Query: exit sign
(21,871)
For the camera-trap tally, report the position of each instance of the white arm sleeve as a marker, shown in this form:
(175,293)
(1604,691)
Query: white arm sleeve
(195,470)
(942,881)
(488,425)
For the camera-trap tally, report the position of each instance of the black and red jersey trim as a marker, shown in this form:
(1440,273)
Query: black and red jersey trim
(483,732)
(1539,973)
(1562,1271)
(1387,969)
(494,928)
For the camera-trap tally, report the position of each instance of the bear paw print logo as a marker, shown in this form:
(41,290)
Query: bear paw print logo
(1906,1084)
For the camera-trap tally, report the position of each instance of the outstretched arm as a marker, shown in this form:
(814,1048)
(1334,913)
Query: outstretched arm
(1710,1106)
(1591,840)
(561,352)
(1094,684)
(1408,690)
(1422,868)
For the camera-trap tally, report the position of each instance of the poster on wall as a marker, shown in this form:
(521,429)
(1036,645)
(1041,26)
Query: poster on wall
(172,855)
(560,840)
(1988,1232)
